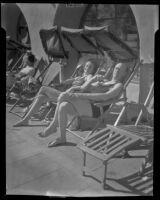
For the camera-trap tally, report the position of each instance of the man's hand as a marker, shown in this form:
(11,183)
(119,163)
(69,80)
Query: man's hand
(66,96)
(73,89)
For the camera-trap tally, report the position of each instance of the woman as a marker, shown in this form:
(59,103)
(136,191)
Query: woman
(70,103)
(47,94)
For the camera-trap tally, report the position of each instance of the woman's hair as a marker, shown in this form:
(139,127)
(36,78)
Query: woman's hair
(95,65)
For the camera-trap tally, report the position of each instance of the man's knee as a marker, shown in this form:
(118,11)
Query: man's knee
(64,107)
(43,90)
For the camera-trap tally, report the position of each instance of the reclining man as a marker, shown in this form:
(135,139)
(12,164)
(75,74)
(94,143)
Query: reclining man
(80,103)
(48,94)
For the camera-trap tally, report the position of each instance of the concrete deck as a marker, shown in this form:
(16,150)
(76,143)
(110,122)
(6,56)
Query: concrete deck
(33,168)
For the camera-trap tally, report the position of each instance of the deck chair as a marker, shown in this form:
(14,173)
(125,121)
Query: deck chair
(21,49)
(61,87)
(27,97)
(122,97)
(113,140)
(143,130)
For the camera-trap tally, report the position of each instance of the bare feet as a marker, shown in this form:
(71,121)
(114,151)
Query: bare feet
(47,132)
(57,142)
(21,123)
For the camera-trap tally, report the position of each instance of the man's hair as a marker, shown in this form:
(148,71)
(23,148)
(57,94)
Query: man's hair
(31,58)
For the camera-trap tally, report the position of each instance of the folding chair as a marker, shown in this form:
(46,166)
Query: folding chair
(122,97)
(39,75)
(104,145)
(13,45)
(110,141)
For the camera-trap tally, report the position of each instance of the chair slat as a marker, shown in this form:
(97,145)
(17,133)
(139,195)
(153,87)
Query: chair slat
(104,136)
(99,145)
(96,134)
(112,148)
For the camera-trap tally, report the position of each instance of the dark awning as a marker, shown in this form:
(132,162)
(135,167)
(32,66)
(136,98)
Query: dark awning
(57,42)
(53,44)
(77,40)
(107,41)
(15,45)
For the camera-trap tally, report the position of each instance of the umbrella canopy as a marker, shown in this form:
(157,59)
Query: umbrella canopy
(57,42)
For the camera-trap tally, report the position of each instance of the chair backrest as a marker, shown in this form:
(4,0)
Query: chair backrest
(132,69)
(40,71)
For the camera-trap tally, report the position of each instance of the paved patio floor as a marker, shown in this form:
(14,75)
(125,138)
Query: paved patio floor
(33,168)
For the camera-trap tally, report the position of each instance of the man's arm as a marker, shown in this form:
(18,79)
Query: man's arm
(112,93)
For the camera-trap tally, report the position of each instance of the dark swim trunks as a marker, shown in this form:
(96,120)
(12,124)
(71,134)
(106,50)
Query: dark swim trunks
(96,110)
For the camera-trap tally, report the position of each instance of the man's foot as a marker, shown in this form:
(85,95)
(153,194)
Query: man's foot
(56,142)
(21,123)
(47,133)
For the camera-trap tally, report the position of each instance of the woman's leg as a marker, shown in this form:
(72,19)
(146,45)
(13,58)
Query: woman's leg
(45,94)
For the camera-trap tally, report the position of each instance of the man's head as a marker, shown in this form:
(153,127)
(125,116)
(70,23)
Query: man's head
(29,59)
(120,72)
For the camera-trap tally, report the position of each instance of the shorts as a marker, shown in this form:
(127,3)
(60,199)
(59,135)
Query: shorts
(96,110)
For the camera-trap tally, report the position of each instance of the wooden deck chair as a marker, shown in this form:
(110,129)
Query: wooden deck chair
(141,185)
(12,46)
(39,75)
(143,130)
(112,140)
(104,145)
(122,97)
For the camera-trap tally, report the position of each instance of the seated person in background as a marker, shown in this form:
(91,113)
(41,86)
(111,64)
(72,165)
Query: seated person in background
(73,104)
(48,94)
(27,70)
(29,67)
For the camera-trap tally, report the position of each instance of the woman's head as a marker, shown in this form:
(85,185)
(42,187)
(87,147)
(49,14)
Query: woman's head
(90,67)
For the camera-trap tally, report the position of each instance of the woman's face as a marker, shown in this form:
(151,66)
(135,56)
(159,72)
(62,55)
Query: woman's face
(89,66)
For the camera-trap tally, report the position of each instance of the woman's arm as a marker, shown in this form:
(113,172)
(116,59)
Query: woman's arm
(68,81)
(85,86)
(112,93)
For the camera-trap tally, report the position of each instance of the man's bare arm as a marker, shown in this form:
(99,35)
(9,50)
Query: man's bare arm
(112,93)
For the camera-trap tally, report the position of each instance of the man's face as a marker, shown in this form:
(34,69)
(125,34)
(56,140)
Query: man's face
(119,72)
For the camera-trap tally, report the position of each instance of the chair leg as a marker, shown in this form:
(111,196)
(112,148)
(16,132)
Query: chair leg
(84,161)
(10,111)
(105,175)
(120,115)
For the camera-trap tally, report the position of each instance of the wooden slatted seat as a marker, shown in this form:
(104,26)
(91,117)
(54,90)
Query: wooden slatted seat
(105,144)
(142,185)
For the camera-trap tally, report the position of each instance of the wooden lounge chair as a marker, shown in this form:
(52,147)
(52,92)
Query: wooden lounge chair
(110,141)
(104,145)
